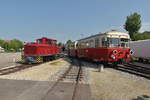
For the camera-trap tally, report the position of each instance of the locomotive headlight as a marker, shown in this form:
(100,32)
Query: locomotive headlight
(131,52)
(115,52)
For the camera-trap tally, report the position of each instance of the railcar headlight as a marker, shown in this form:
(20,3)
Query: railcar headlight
(131,52)
(128,56)
(113,57)
(115,52)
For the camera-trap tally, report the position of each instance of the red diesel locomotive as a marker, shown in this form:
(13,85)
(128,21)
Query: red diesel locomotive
(42,50)
(110,47)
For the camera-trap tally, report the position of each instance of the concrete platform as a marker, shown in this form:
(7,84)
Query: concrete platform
(38,90)
(9,59)
(64,91)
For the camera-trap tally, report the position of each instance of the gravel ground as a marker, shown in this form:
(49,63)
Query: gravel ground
(41,72)
(115,85)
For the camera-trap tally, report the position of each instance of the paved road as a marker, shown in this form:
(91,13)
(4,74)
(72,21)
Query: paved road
(36,90)
(8,59)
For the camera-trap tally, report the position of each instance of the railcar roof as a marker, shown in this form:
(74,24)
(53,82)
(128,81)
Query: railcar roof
(106,33)
(92,36)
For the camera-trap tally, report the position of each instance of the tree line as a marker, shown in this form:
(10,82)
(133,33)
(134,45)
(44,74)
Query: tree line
(14,45)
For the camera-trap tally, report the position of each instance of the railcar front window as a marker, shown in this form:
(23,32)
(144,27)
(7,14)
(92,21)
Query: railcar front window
(113,42)
(124,42)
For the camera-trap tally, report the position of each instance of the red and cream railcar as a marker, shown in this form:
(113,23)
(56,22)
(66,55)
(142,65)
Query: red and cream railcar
(42,50)
(109,47)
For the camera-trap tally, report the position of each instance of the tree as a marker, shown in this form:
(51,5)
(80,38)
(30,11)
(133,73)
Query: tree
(69,42)
(6,46)
(1,43)
(16,45)
(13,45)
(59,44)
(142,36)
(133,24)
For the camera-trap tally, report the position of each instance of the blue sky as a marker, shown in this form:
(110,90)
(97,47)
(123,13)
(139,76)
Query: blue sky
(67,19)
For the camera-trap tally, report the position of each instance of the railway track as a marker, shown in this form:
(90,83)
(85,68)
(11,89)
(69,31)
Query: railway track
(8,70)
(73,74)
(135,69)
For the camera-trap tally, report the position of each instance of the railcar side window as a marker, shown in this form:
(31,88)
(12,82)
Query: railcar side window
(104,42)
(97,42)
(91,43)
(87,44)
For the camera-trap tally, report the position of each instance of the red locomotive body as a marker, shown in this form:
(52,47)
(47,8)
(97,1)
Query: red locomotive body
(110,47)
(42,50)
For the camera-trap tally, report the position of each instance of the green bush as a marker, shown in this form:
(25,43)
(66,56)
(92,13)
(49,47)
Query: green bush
(12,46)
(142,36)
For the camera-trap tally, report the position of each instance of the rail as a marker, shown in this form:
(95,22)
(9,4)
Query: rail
(135,69)
(73,74)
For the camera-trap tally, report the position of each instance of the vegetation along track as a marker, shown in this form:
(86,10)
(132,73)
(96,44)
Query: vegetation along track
(8,70)
(72,74)
(135,69)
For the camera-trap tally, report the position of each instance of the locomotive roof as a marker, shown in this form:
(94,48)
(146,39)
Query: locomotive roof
(47,38)
(113,32)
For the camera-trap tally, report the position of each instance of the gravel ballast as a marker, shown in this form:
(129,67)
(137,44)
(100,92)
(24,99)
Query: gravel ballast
(114,85)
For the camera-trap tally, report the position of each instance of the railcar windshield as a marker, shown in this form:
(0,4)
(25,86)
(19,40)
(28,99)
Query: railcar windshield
(124,42)
(113,42)
(118,42)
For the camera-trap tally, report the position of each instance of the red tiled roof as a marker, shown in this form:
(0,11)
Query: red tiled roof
(8,41)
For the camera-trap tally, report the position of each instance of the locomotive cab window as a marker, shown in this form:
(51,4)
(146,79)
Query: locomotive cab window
(49,41)
(54,42)
(39,41)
